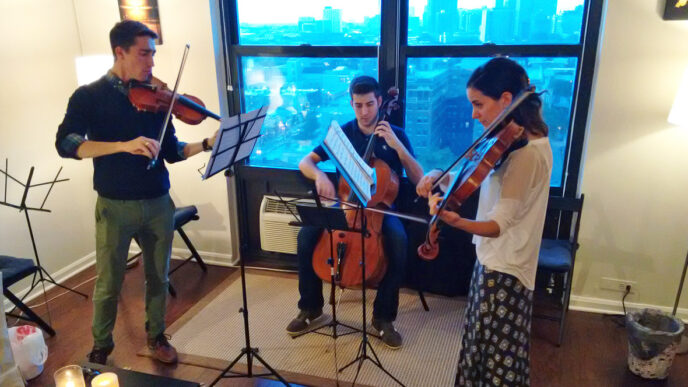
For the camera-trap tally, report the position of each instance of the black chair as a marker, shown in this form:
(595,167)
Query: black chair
(182,216)
(14,270)
(558,253)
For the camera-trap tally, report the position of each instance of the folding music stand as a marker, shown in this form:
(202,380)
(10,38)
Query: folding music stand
(234,142)
(41,275)
(365,345)
(329,219)
(351,178)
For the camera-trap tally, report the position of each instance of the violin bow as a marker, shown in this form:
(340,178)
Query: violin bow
(487,132)
(154,161)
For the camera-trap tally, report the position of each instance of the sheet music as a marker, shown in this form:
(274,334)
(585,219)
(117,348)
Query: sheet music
(356,171)
(242,131)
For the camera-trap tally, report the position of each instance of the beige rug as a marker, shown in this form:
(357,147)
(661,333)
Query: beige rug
(211,335)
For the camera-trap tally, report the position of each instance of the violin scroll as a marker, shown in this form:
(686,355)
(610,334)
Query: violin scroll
(390,103)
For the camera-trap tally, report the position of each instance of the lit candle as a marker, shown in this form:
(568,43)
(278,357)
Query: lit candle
(69,376)
(106,379)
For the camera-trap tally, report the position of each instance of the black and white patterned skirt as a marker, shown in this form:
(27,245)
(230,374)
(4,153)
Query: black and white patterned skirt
(496,340)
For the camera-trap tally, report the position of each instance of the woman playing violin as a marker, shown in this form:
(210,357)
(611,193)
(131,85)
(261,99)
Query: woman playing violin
(507,233)
(101,123)
(396,151)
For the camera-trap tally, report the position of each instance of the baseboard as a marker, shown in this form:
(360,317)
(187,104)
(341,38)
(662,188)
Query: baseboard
(211,258)
(89,260)
(59,276)
(605,306)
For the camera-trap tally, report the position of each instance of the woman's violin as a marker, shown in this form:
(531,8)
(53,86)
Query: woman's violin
(475,165)
(155,97)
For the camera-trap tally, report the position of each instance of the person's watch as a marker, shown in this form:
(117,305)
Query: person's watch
(206,147)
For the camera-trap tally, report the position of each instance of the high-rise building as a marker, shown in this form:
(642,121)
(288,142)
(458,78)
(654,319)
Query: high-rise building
(440,19)
(332,20)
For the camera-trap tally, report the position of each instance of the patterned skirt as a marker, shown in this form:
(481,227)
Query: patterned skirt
(496,341)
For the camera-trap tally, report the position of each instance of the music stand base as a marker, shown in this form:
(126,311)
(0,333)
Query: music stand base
(363,356)
(250,354)
(332,324)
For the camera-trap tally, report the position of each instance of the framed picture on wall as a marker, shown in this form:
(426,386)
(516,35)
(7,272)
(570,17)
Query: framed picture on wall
(145,11)
(676,10)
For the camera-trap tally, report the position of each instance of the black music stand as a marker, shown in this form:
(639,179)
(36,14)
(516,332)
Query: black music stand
(41,275)
(234,142)
(329,219)
(365,344)
(357,188)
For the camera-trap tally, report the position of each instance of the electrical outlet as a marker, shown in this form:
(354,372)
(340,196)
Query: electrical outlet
(616,284)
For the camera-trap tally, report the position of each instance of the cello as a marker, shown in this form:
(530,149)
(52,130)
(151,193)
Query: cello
(347,260)
(475,164)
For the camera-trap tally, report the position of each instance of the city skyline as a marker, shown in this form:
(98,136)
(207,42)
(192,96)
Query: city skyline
(353,11)
(304,94)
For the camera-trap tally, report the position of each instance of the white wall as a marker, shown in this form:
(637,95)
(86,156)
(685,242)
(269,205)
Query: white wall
(41,40)
(635,218)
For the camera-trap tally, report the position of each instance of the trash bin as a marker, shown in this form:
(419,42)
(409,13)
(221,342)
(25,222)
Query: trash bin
(653,338)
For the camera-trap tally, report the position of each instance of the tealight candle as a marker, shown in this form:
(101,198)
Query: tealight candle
(69,376)
(106,379)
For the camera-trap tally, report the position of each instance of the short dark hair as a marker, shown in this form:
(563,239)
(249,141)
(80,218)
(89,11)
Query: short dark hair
(124,34)
(502,74)
(363,85)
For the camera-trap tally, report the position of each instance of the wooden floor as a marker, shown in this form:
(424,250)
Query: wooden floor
(593,353)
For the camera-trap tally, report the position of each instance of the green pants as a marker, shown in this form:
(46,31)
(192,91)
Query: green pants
(117,222)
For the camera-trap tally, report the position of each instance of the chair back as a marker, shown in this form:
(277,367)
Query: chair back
(563,219)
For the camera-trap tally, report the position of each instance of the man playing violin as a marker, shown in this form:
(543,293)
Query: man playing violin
(392,147)
(133,201)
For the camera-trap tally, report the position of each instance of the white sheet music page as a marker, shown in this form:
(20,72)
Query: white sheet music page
(359,173)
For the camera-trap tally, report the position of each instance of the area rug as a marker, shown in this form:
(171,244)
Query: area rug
(211,335)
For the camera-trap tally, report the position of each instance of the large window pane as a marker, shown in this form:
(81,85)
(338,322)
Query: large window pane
(468,22)
(438,114)
(314,22)
(304,95)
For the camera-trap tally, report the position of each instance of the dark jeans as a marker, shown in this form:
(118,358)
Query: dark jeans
(387,299)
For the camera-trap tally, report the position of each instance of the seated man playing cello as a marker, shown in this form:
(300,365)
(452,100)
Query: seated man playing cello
(392,147)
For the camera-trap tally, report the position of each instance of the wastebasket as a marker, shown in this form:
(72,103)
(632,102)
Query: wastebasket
(653,338)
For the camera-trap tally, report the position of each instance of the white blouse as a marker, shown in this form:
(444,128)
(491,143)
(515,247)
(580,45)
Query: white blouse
(515,196)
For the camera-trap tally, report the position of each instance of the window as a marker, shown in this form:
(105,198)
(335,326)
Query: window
(313,22)
(304,95)
(440,83)
(447,40)
(299,60)
(475,22)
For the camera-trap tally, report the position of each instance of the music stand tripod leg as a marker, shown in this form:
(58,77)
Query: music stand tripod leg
(365,344)
(248,351)
(330,219)
(248,137)
(333,281)
(42,270)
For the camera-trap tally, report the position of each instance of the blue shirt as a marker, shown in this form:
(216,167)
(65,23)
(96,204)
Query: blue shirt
(382,151)
(101,111)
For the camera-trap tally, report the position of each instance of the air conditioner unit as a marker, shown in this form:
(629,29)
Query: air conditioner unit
(275,232)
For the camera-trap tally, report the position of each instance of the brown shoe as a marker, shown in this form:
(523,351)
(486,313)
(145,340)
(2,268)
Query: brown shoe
(162,349)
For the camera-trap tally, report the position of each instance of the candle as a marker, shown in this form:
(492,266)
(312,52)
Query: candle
(69,376)
(106,379)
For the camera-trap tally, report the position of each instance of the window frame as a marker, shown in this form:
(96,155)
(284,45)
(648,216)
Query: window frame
(393,54)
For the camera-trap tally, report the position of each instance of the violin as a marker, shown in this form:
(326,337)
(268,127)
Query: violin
(346,263)
(155,97)
(484,155)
